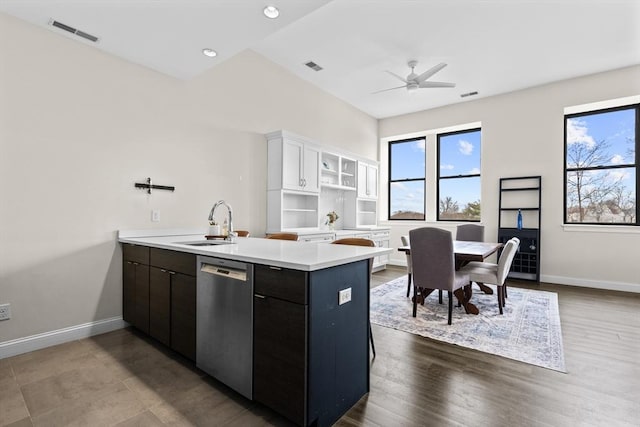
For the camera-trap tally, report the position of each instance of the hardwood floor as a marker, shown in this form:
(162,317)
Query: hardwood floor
(123,378)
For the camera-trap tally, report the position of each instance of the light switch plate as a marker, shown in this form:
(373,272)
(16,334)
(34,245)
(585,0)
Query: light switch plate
(155,215)
(5,311)
(344,296)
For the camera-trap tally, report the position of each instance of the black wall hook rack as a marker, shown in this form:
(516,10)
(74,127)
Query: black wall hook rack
(150,186)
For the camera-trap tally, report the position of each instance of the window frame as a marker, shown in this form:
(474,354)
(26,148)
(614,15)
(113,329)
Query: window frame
(390,181)
(635,165)
(438,177)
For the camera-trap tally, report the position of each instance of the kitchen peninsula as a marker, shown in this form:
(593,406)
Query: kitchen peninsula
(283,323)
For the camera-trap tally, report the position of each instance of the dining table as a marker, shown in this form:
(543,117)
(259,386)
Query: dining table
(464,252)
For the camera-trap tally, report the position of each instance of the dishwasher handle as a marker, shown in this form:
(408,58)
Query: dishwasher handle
(231,273)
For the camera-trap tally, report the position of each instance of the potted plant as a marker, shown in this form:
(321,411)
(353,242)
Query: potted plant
(332,217)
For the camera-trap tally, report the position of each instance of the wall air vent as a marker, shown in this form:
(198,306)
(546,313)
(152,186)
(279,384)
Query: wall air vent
(464,95)
(313,66)
(73,30)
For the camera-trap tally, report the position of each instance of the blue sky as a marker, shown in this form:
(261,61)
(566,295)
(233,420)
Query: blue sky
(460,155)
(617,128)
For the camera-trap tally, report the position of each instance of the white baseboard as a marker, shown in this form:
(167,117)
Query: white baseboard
(60,336)
(590,283)
(572,281)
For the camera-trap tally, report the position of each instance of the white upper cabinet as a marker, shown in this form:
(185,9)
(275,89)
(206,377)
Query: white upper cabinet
(337,172)
(367,180)
(294,163)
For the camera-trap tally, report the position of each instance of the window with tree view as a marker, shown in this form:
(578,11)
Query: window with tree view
(407,179)
(601,166)
(459,176)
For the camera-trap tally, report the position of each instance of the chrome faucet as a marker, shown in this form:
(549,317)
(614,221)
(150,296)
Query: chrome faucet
(230,233)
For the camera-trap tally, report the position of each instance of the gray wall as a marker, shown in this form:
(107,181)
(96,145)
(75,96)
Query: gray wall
(523,134)
(78,128)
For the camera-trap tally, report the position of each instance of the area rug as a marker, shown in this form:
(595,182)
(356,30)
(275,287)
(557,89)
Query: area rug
(528,331)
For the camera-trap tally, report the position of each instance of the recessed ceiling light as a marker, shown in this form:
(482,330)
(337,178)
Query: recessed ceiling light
(271,12)
(209,52)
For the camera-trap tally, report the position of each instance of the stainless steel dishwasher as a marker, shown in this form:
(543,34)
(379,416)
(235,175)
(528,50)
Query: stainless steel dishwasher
(224,322)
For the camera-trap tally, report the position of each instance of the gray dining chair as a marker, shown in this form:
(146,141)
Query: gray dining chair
(405,242)
(470,232)
(495,274)
(433,264)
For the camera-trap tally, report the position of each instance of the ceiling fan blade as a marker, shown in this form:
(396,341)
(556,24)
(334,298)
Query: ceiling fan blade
(437,84)
(430,72)
(391,88)
(402,79)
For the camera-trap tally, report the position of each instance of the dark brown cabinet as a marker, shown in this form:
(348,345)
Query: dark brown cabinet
(160,304)
(159,295)
(183,315)
(173,300)
(135,286)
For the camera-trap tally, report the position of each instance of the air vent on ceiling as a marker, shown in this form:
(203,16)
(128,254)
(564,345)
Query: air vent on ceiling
(73,30)
(464,95)
(313,66)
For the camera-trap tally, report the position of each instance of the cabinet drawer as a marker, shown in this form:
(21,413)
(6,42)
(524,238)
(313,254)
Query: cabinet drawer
(179,262)
(135,253)
(288,285)
(380,235)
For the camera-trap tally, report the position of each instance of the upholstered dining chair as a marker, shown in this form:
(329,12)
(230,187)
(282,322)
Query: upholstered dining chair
(470,232)
(433,263)
(358,241)
(283,236)
(405,242)
(494,273)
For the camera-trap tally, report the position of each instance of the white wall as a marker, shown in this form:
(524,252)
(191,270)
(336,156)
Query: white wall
(522,134)
(78,128)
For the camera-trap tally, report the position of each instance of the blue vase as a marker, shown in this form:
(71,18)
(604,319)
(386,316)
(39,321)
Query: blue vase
(519,221)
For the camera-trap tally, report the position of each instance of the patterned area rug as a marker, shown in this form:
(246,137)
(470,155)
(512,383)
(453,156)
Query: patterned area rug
(528,331)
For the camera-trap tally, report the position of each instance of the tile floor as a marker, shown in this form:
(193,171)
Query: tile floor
(121,378)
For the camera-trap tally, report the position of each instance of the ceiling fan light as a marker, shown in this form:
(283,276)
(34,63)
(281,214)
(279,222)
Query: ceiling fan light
(209,52)
(271,12)
(412,87)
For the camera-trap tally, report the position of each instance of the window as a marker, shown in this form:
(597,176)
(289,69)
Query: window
(407,179)
(601,166)
(459,176)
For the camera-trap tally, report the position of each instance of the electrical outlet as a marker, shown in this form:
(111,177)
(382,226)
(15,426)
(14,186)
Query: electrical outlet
(344,296)
(155,215)
(5,311)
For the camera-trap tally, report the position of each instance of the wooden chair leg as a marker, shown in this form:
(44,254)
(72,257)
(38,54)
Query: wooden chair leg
(504,287)
(373,346)
(500,290)
(415,300)
(408,284)
(450,307)
(439,296)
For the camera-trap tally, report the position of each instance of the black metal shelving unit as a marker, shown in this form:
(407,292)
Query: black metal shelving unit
(522,193)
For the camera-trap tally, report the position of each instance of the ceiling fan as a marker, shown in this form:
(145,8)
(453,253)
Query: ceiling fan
(414,81)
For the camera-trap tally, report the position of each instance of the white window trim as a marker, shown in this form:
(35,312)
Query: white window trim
(431,176)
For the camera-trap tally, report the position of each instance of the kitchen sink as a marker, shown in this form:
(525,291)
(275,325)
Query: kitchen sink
(207,243)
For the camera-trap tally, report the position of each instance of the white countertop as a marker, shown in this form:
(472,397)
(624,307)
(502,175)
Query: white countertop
(306,256)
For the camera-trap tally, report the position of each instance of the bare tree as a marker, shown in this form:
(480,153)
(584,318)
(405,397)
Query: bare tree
(588,190)
(448,205)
